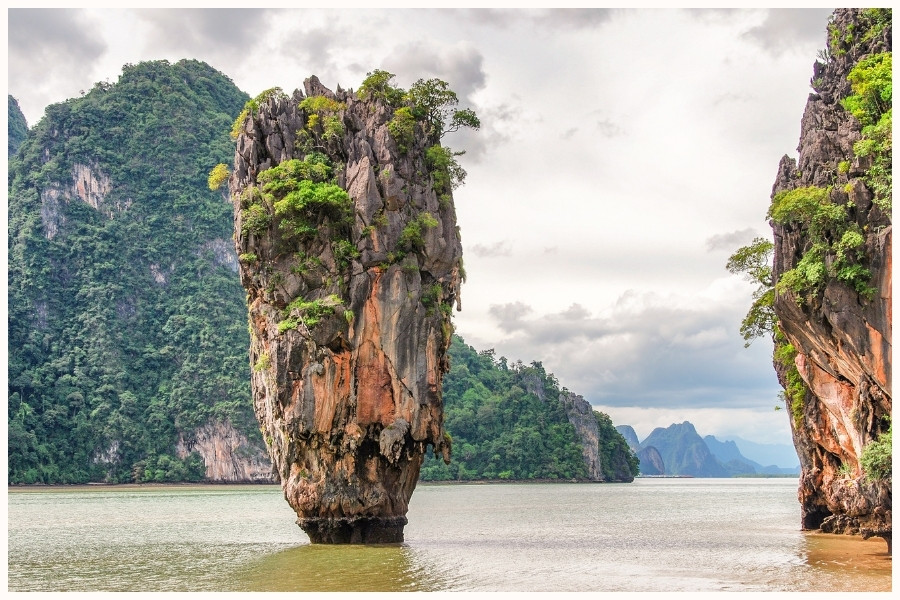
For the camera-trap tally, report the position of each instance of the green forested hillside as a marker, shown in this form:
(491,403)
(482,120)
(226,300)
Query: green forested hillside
(506,422)
(127,323)
(17,127)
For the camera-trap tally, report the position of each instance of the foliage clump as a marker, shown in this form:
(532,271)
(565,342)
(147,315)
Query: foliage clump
(308,313)
(871,104)
(795,389)
(412,238)
(323,116)
(877,457)
(754,262)
(431,105)
(835,244)
(217,176)
(377,86)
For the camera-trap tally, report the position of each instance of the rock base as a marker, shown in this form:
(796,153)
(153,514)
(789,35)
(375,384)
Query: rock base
(360,530)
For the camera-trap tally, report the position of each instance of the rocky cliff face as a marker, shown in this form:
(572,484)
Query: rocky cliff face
(836,326)
(351,261)
(581,416)
(651,461)
(228,455)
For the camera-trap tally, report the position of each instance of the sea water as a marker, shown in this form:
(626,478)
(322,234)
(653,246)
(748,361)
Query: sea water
(655,535)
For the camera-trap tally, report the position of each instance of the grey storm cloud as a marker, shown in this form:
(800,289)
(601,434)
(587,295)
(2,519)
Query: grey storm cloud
(60,36)
(788,27)
(461,65)
(554,18)
(730,241)
(49,50)
(644,353)
(203,30)
(494,250)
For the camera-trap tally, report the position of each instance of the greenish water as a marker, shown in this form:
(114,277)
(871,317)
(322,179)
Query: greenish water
(652,535)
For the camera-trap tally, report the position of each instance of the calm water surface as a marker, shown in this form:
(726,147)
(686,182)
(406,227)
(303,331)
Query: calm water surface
(651,535)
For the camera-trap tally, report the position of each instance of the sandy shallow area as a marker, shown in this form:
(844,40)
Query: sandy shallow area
(850,555)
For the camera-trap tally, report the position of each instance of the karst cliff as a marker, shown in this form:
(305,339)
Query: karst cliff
(351,258)
(831,218)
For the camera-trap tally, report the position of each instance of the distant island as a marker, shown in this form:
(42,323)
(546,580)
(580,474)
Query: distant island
(678,450)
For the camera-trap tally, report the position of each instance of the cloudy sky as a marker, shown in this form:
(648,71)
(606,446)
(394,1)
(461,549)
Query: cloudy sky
(623,155)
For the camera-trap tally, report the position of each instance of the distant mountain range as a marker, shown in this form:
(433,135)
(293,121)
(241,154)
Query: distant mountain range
(679,450)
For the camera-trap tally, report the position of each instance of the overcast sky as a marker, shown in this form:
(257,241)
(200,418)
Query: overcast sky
(624,155)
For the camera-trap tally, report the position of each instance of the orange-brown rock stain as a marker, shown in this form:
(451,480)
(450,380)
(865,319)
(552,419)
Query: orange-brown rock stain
(331,390)
(375,379)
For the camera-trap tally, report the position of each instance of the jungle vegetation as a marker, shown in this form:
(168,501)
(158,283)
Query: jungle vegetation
(127,322)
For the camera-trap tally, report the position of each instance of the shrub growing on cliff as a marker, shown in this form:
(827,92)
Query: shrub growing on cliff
(877,456)
(252,106)
(323,116)
(309,313)
(834,243)
(871,104)
(413,236)
(377,85)
(794,387)
(754,262)
(301,198)
(217,176)
(402,127)
(445,169)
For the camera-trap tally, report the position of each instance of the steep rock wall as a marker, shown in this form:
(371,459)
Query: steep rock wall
(581,416)
(350,318)
(842,337)
(227,453)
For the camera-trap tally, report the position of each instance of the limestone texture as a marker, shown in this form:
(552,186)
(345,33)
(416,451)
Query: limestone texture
(347,393)
(842,337)
(228,455)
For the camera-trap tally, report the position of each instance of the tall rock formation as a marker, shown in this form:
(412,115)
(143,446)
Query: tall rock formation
(831,219)
(351,258)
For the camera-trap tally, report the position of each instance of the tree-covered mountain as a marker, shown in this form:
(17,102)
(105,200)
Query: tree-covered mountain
(127,324)
(509,421)
(17,126)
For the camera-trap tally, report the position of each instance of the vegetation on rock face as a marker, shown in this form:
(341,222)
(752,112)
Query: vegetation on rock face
(830,320)
(877,457)
(502,429)
(616,457)
(835,246)
(127,323)
(754,262)
(431,104)
(17,127)
(834,240)
(251,107)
